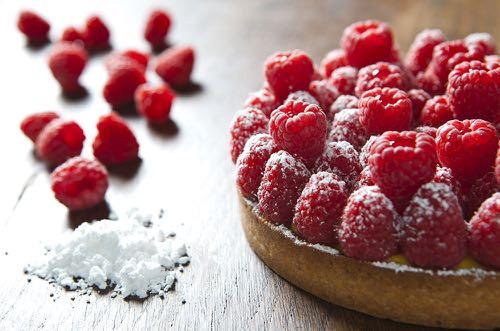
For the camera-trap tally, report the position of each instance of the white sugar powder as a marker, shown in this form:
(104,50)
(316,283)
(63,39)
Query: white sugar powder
(135,259)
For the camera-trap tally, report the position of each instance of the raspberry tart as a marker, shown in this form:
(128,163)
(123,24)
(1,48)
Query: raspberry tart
(382,197)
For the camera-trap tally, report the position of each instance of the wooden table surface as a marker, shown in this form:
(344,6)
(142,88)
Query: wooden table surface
(185,166)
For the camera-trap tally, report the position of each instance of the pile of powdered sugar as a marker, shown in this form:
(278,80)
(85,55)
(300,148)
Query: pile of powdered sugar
(133,255)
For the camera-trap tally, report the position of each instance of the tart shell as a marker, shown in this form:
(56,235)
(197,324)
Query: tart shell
(465,299)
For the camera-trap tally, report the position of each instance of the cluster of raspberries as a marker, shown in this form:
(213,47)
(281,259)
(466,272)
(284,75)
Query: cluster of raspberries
(378,155)
(81,183)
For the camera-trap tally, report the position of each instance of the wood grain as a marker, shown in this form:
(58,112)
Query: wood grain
(185,166)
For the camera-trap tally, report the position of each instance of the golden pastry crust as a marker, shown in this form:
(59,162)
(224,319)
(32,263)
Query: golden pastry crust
(466,299)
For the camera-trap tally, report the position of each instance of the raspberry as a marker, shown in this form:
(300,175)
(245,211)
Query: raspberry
(450,53)
(124,78)
(263,100)
(418,99)
(71,34)
(115,143)
(433,231)
(480,190)
(497,166)
(302,96)
(33,124)
(484,40)
(157,27)
(365,178)
(288,72)
(445,176)
(467,147)
(333,60)
(175,65)
(431,131)
(325,93)
(66,62)
(367,42)
(367,231)
(342,102)
(79,183)
(420,53)
(60,140)
(384,109)
(484,233)
(246,123)
(252,162)
(129,55)
(95,34)
(401,162)
(429,82)
(473,91)
(344,79)
(346,127)
(33,26)
(364,154)
(342,160)
(154,102)
(380,74)
(319,208)
(300,129)
(283,180)
(436,111)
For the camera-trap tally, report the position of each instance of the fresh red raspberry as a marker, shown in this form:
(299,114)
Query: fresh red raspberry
(95,34)
(473,91)
(484,233)
(33,124)
(401,162)
(66,62)
(252,162)
(434,234)
(450,53)
(319,208)
(154,102)
(246,123)
(368,228)
(341,159)
(380,74)
(429,82)
(300,129)
(365,178)
(342,102)
(283,180)
(157,27)
(263,100)
(436,111)
(123,80)
(418,99)
(115,142)
(288,72)
(445,176)
(302,96)
(431,131)
(364,154)
(384,109)
(175,65)
(344,79)
(71,34)
(367,42)
(467,147)
(79,183)
(482,39)
(33,26)
(420,53)
(129,55)
(480,190)
(324,92)
(60,140)
(333,60)
(346,127)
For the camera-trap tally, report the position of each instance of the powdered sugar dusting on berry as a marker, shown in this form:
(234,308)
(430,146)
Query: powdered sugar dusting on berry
(133,254)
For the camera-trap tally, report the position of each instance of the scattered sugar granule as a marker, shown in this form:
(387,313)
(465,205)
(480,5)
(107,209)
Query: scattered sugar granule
(132,255)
